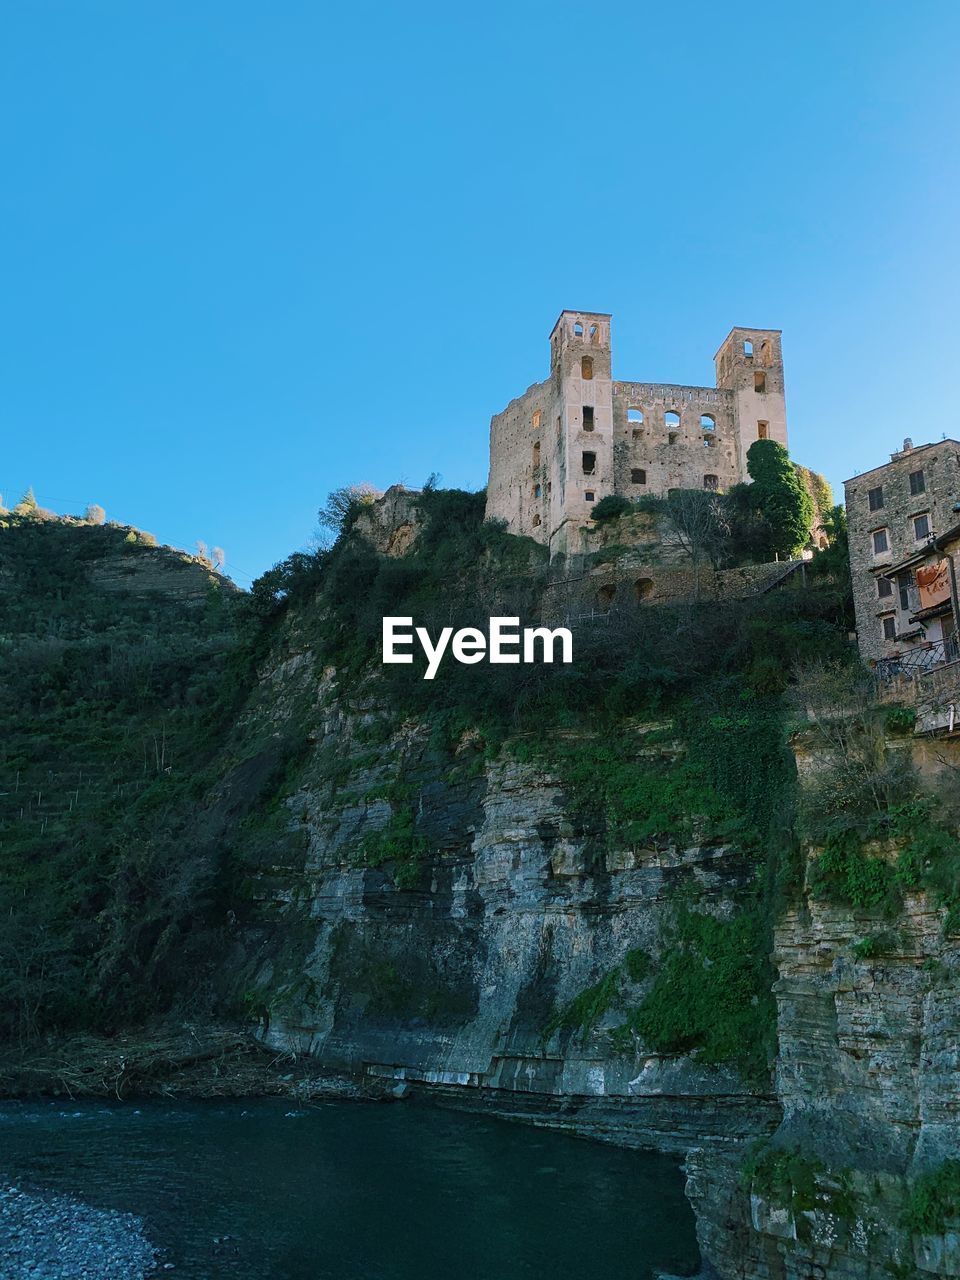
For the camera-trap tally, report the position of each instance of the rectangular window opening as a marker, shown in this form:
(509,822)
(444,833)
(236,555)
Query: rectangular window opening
(889,627)
(880,543)
(921,527)
(589,463)
(763,429)
(875,498)
(638,476)
(759,382)
(588,417)
(917,483)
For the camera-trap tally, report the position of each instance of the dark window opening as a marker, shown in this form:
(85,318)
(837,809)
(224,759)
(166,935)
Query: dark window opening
(904,595)
(589,463)
(762,430)
(638,476)
(536,453)
(889,627)
(589,495)
(536,491)
(711,482)
(875,498)
(643,588)
(536,520)
(637,435)
(921,527)
(917,483)
(759,382)
(586,368)
(879,542)
(588,417)
(884,588)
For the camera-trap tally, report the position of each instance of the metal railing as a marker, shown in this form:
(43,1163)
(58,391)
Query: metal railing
(918,661)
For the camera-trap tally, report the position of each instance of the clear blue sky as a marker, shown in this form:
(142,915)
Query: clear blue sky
(251,252)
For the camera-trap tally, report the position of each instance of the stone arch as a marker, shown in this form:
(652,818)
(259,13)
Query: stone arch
(643,588)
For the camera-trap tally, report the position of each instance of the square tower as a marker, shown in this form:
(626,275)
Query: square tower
(579,450)
(750,365)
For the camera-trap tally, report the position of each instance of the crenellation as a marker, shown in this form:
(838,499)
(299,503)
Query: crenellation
(580,435)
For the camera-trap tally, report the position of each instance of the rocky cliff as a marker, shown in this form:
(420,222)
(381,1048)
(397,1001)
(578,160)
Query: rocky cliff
(580,896)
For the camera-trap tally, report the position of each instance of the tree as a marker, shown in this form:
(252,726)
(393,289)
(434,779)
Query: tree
(342,506)
(700,519)
(95,514)
(28,505)
(219,558)
(779,496)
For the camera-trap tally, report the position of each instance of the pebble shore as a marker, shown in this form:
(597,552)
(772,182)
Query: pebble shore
(45,1236)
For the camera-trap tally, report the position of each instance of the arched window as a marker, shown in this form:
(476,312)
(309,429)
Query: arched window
(594,333)
(536,419)
(748,348)
(578,330)
(643,588)
(586,368)
(606,593)
(635,417)
(536,453)
(708,422)
(672,419)
(764,352)
(536,521)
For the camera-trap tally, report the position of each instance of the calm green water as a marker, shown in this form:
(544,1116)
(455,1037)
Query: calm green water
(358,1192)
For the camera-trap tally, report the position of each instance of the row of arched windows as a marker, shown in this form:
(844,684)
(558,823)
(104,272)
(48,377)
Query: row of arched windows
(635,418)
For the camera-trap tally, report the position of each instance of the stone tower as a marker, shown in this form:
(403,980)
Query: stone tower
(750,366)
(579,459)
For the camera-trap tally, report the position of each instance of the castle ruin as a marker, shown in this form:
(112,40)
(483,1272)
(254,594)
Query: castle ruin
(579,436)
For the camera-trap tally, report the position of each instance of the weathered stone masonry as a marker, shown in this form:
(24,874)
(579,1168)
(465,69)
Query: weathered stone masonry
(573,439)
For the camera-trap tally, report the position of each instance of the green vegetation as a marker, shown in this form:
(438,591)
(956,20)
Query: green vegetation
(611,507)
(584,1012)
(711,995)
(785,1177)
(109,701)
(776,510)
(934,1200)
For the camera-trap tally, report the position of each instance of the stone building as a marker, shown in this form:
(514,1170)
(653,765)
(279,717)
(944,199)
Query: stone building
(580,435)
(904,544)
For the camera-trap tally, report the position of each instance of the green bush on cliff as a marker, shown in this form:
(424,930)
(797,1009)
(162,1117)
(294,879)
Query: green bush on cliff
(934,1200)
(711,995)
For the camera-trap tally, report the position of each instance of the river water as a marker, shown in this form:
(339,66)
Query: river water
(350,1191)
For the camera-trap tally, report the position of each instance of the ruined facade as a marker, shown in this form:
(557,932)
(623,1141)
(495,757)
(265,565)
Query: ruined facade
(902,520)
(579,436)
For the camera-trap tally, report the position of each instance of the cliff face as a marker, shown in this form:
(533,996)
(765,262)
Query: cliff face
(459,976)
(866,1075)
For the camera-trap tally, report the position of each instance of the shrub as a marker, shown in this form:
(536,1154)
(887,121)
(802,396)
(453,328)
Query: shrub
(612,507)
(934,1200)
